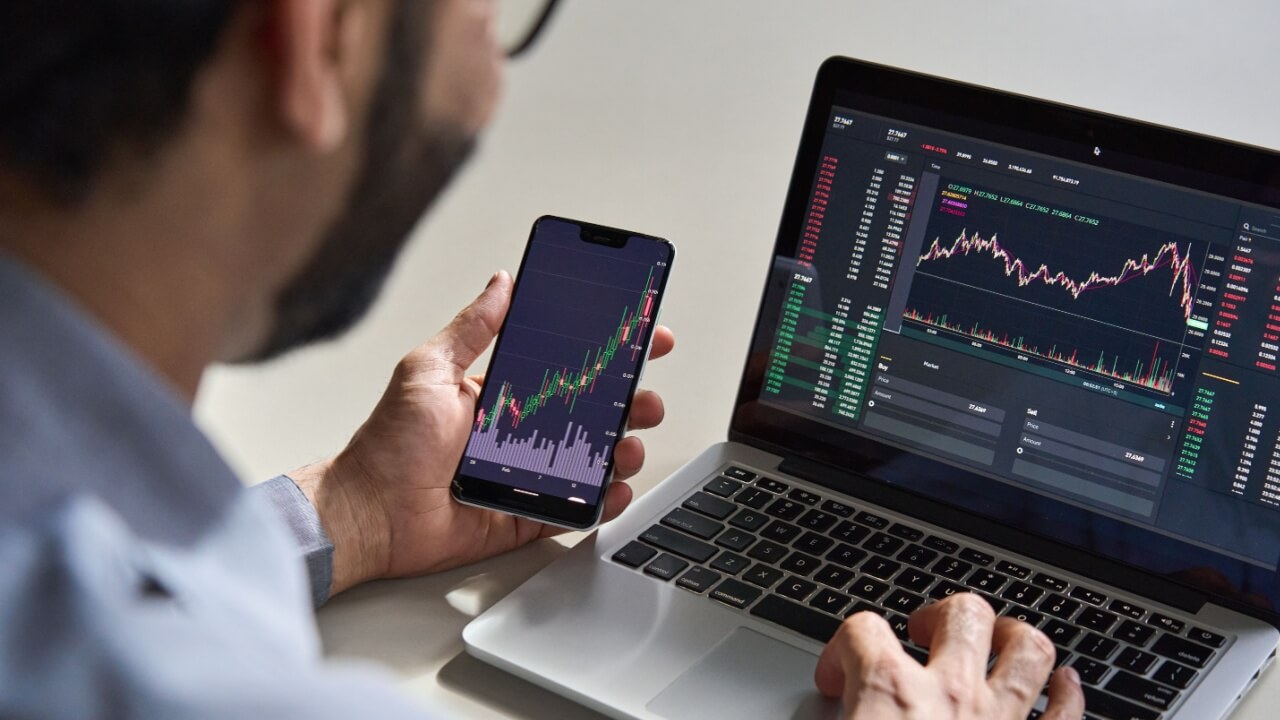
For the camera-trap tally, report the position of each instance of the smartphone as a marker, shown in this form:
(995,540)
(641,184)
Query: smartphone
(564,371)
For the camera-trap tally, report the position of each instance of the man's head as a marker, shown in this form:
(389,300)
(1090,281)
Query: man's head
(266,156)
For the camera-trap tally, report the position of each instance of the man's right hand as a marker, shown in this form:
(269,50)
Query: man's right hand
(866,666)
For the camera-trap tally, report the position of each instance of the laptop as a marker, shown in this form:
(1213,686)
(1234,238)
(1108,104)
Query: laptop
(1005,347)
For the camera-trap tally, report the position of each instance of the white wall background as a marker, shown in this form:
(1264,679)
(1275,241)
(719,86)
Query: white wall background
(680,118)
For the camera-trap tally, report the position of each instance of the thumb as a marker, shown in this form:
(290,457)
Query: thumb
(469,333)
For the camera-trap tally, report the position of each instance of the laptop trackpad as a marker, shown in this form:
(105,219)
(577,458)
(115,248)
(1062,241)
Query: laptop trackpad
(745,677)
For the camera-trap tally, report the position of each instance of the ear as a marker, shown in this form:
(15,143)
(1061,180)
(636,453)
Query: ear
(320,61)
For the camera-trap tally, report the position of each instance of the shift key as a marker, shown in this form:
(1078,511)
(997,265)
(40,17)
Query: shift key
(678,543)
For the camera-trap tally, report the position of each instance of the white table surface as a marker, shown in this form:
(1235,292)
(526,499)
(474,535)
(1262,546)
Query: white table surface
(680,118)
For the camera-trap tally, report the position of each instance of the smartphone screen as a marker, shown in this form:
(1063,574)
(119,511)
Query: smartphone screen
(563,372)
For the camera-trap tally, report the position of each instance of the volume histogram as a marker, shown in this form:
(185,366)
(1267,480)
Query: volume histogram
(556,395)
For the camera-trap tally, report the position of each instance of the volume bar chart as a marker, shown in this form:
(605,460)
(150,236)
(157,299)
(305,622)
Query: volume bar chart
(572,457)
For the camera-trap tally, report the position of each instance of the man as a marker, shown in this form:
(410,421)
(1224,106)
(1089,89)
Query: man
(184,182)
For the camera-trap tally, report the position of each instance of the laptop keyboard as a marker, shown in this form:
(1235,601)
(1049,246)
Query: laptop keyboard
(805,562)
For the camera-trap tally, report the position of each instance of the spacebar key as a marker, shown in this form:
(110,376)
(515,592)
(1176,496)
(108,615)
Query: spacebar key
(1113,708)
(678,543)
(796,617)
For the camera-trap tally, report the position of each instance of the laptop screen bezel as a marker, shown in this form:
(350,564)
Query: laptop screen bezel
(1224,168)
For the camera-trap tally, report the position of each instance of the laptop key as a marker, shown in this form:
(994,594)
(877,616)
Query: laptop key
(634,554)
(710,505)
(1022,593)
(1133,633)
(754,498)
(1087,595)
(698,579)
(1125,608)
(836,577)
(749,520)
(946,589)
(1091,671)
(738,473)
(1114,708)
(666,567)
(735,594)
(813,543)
(1144,691)
(1095,619)
(1211,639)
(730,563)
(986,581)
(1135,660)
(918,556)
(846,555)
(1059,632)
(874,521)
(882,544)
(800,564)
(906,532)
(1059,607)
(900,626)
(735,539)
(977,557)
(796,588)
(1167,623)
(830,601)
(722,486)
(998,606)
(804,496)
(942,545)
(796,617)
(1009,568)
(817,520)
(1021,614)
(914,580)
(768,551)
(692,523)
(879,567)
(903,601)
(951,568)
(772,485)
(785,509)
(779,531)
(678,543)
(1184,651)
(850,533)
(762,575)
(1097,646)
(862,606)
(868,588)
(1049,582)
(836,508)
(1171,673)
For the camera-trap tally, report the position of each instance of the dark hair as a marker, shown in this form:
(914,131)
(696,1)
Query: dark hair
(81,80)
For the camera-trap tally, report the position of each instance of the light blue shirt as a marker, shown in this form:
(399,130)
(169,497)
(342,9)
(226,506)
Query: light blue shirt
(138,578)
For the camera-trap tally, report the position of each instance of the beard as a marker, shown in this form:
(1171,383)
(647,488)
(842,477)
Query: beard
(405,168)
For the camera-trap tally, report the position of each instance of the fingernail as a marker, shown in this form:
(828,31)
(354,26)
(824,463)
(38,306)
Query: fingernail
(1072,675)
(493,279)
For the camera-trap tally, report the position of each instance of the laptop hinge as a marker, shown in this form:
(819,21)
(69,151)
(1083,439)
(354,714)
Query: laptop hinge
(1046,551)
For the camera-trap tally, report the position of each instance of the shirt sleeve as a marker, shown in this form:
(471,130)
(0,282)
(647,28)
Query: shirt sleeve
(300,515)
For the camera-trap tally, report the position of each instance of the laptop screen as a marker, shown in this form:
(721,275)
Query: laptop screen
(1062,321)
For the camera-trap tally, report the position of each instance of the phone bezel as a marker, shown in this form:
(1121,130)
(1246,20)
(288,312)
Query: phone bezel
(544,508)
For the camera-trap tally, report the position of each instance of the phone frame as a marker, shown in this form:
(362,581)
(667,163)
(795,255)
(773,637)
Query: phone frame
(550,509)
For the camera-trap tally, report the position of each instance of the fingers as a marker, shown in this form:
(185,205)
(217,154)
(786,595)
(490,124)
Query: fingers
(647,410)
(1024,659)
(469,333)
(866,665)
(663,341)
(957,632)
(1066,699)
(628,458)
(616,499)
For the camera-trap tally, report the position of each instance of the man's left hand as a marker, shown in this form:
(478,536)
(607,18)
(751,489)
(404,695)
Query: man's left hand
(385,500)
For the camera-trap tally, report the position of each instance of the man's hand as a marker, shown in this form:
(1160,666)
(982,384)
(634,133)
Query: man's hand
(865,665)
(385,500)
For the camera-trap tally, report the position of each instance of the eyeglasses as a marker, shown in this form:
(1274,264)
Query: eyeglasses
(520,22)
